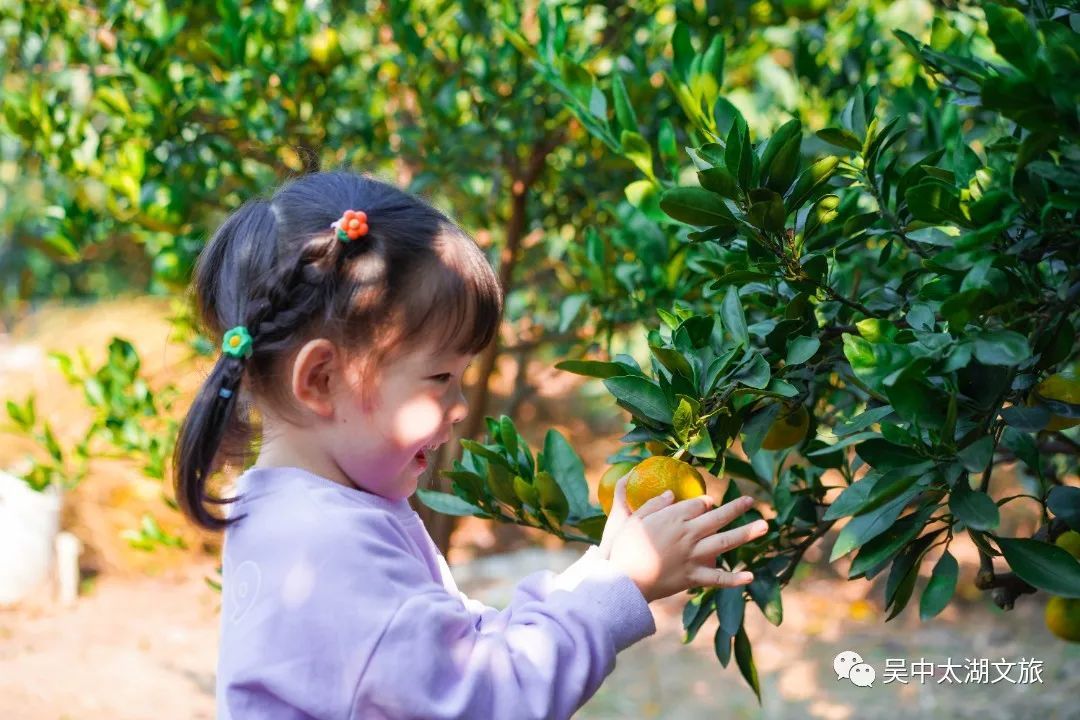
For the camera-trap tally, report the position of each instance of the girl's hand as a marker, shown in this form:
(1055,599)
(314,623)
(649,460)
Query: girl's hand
(620,511)
(667,547)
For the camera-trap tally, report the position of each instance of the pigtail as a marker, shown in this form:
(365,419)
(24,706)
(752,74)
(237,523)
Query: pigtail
(201,434)
(242,251)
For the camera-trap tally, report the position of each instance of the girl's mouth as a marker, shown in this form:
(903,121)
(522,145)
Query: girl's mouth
(421,459)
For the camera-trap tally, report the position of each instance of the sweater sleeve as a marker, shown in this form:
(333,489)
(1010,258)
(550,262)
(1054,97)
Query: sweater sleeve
(446,656)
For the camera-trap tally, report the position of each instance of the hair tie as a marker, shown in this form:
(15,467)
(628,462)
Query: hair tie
(351,225)
(225,393)
(237,342)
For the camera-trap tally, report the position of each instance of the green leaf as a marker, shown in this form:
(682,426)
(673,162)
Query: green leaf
(801,349)
(738,152)
(875,489)
(720,181)
(978,454)
(813,177)
(472,483)
(766,210)
(935,202)
(485,452)
(730,608)
(501,484)
(841,138)
(780,159)
(1001,347)
(598,104)
(593,368)
(683,419)
(974,508)
(552,498)
(745,659)
(669,149)
(863,528)
(683,51)
(904,573)
(51,445)
(765,592)
(1043,565)
(884,455)
(673,360)
(696,206)
(1064,502)
(22,416)
(508,435)
(875,553)
(1013,38)
(641,394)
(962,307)
(448,504)
(570,308)
(826,449)
(734,320)
(939,590)
(755,429)
(780,388)
(722,646)
(526,492)
(712,62)
(921,317)
(569,471)
(754,373)
(695,612)
(864,420)
(638,150)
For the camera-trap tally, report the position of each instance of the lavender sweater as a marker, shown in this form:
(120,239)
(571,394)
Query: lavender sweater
(337,604)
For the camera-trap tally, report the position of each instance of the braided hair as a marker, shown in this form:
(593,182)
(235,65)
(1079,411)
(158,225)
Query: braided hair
(277,268)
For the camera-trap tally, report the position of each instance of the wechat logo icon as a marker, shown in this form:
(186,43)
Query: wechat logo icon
(849,665)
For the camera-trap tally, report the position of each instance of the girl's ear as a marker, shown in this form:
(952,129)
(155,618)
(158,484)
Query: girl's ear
(313,376)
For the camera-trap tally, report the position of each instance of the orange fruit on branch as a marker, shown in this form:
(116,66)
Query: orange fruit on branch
(1070,542)
(654,475)
(1061,388)
(787,430)
(1062,617)
(606,492)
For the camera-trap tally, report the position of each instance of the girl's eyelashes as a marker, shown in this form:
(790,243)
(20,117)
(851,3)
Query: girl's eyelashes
(445,377)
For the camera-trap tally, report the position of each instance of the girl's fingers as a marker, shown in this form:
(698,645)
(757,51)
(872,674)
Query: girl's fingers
(713,545)
(715,577)
(708,523)
(653,504)
(618,503)
(687,510)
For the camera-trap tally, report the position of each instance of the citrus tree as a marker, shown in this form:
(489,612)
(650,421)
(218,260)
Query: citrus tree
(136,127)
(872,316)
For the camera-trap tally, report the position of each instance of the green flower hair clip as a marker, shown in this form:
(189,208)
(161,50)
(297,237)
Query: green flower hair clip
(237,342)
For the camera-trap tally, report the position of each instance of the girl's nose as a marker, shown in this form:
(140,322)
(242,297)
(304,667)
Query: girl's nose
(460,409)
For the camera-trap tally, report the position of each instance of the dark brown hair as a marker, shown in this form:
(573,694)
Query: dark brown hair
(276,267)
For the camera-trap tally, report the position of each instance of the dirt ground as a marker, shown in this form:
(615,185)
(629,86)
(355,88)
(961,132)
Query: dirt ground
(142,639)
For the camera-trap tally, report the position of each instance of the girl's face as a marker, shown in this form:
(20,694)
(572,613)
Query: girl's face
(417,399)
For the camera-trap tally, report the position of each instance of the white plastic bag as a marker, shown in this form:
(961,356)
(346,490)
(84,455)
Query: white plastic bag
(29,521)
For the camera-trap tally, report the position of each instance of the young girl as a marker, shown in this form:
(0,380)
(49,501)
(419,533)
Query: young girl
(349,311)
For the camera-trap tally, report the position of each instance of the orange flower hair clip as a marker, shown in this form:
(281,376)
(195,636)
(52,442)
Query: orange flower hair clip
(353,224)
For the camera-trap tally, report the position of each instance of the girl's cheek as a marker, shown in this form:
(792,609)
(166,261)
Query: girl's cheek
(416,420)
